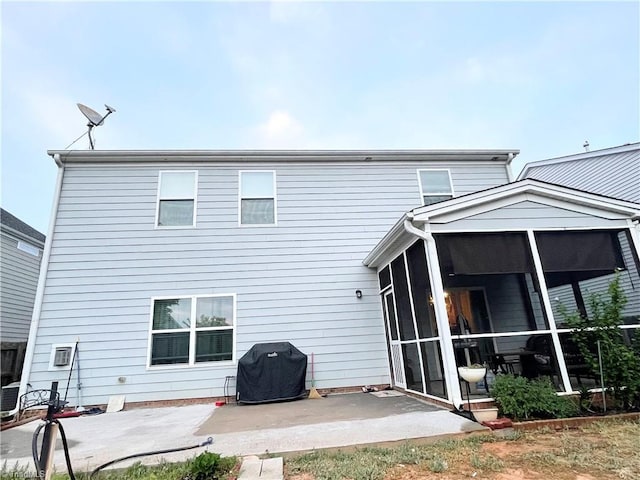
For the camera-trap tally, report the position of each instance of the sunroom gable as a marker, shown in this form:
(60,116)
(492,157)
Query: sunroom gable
(523,205)
(527,200)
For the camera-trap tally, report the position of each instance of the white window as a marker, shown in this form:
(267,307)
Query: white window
(258,198)
(435,186)
(61,356)
(191,330)
(177,199)
(28,248)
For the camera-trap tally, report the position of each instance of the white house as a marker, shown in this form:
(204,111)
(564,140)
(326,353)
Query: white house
(165,267)
(20,254)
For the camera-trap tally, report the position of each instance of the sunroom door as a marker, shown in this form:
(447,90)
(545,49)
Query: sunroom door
(391,324)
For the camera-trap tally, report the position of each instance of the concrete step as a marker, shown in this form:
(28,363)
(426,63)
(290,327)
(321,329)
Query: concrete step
(255,468)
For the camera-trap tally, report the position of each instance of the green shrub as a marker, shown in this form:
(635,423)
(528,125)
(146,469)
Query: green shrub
(204,465)
(520,398)
(620,361)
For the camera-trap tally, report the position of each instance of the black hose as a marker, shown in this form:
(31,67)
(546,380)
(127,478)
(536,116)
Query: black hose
(34,449)
(209,441)
(65,446)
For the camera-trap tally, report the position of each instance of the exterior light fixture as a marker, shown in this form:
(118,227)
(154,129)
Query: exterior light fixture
(358,293)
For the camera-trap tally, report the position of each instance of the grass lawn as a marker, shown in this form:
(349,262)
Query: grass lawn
(600,451)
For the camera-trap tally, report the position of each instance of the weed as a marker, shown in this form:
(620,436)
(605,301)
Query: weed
(438,465)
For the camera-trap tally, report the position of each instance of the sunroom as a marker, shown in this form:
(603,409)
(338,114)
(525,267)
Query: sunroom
(485,279)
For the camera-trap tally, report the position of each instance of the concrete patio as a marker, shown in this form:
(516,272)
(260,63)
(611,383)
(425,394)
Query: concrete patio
(332,422)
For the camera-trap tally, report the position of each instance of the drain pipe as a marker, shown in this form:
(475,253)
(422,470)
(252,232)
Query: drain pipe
(435,277)
(510,158)
(37,305)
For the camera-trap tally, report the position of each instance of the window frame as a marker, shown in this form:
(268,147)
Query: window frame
(275,199)
(192,333)
(422,189)
(194,198)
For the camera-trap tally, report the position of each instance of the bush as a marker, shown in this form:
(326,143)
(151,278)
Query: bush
(520,398)
(204,465)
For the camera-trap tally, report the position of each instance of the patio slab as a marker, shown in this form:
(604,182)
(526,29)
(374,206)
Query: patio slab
(334,421)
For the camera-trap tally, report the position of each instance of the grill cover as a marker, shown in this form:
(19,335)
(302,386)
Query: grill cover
(271,372)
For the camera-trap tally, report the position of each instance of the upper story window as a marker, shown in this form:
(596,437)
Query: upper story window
(258,198)
(435,186)
(190,330)
(177,199)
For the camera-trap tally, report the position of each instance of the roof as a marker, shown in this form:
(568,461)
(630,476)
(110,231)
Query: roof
(472,203)
(14,223)
(614,151)
(154,156)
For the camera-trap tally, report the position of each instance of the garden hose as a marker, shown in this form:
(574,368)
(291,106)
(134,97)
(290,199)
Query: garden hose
(208,441)
(65,446)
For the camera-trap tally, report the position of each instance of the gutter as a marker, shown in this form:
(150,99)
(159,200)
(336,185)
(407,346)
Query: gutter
(208,156)
(37,305)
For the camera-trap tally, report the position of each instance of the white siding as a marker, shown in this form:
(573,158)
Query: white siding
(18,281)
(294,282)
(528,214)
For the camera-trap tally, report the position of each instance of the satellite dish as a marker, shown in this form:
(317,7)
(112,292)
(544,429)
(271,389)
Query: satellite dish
(95,119)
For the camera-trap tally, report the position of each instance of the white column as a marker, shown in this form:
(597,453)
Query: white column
(546,302)
(442,320)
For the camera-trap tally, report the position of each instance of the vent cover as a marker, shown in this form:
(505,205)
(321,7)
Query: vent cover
(62,357)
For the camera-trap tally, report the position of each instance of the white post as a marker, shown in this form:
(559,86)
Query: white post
(442,320)
(546,302)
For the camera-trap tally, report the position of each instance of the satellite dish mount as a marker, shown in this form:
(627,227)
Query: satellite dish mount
(95,119)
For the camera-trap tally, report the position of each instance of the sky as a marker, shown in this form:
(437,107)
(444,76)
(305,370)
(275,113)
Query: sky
(541,77)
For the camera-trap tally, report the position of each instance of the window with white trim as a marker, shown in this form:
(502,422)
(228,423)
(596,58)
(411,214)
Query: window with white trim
(190,330)
(435,186)
(177,199)
(258,198)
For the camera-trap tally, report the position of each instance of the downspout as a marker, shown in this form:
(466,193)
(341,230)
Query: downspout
(510,158)
(37,304)
(440,307)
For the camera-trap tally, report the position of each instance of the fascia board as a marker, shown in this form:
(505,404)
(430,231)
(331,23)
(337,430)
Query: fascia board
(391,237)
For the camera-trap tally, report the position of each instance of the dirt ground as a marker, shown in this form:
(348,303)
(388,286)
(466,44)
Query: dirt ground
(593,453)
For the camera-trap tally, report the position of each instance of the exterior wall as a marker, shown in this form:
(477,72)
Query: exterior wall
(294,282)
(613,174)
(18,281)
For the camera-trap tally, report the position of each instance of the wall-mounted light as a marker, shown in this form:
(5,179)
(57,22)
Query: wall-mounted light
(358,293)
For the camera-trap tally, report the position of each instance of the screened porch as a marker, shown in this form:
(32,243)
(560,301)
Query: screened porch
(495,298)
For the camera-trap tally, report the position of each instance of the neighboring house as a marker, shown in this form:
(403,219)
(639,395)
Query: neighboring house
(20,254)
(165,267)
(614,172)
